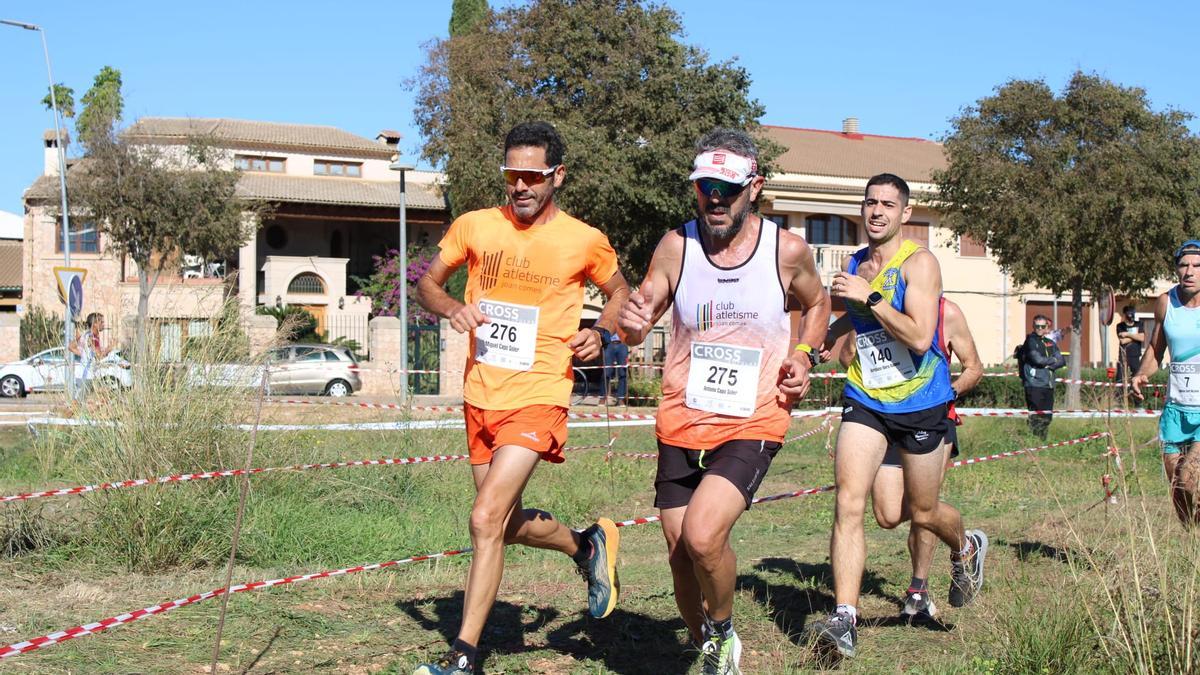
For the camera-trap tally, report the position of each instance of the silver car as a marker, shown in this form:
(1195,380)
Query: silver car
(325,369)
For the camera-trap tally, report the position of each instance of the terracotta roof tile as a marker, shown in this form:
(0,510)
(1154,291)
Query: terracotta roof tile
(833,153)
(338,191)
(266,135)
(306,190)
(10,264)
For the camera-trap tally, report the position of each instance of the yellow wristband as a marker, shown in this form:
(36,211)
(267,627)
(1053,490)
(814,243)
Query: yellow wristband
(804,348)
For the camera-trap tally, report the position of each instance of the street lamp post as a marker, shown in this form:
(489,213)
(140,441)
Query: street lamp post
(69,324)
(402,167)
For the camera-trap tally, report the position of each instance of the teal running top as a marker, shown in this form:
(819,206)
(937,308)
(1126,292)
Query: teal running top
(1182,328)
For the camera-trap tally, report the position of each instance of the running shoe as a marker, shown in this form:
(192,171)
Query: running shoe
(453,663)
(600,570)
(721,655)
(966,576)
(918,607)
(838,631)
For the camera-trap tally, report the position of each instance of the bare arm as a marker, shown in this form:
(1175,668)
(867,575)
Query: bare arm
(960,341)
(586,343)
(915,326)
(432,295)
(796,262)
(844,347)
(649,302)
(1155,351)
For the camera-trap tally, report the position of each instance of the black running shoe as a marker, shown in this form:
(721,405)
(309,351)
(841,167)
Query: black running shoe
(837,631)
(966,576)
(918,607)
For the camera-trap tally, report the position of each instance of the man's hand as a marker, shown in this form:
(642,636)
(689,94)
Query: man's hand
(850,287)
(795,380)
(585,344)
(1137,383)
(466,318)
(637,313)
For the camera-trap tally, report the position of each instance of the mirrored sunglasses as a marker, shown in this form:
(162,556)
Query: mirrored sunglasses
(723,189)
(527,176)
(1041,325)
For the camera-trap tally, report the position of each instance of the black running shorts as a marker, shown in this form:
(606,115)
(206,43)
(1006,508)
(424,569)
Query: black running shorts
(919,432)
(743,463)
(892,456)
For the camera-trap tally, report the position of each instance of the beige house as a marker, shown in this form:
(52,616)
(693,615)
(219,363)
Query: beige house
(12,229)
(336,204)
(817,193)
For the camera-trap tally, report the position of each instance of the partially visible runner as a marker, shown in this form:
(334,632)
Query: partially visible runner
(729,381)
(1177,328)
(90,351)
(526,266)
(887,492)
(897,393)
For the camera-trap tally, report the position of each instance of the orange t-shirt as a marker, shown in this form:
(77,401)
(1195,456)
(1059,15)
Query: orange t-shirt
(529,281)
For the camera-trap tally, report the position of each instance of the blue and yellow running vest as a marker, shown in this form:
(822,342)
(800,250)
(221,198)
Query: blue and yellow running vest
(924,379)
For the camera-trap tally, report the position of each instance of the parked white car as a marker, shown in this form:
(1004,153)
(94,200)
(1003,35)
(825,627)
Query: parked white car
(44,372)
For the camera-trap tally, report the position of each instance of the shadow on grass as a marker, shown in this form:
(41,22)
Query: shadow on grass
(262,652)
(625,642)
(792,605)
(1026,550)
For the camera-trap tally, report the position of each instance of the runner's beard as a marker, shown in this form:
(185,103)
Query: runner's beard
(727,232)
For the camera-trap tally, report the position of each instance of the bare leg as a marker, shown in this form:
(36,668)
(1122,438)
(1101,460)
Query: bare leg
(688,597)
(496,520)
(922,482)
(921,541)
(711,513)
(859,451)
(887,497)
(1183,473)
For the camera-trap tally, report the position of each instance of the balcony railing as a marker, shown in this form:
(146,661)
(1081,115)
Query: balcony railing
(829,259)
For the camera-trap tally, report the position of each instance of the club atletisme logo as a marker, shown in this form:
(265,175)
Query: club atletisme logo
(725,313)
(489,270)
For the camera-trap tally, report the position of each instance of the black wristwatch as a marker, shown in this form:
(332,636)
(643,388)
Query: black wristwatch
(605,336)
(874,298)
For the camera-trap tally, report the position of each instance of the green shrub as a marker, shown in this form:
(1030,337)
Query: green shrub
(40,330)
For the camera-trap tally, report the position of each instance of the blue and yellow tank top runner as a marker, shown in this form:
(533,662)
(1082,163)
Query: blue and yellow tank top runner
(886,376)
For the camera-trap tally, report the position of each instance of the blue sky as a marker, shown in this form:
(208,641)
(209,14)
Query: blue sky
(902,68)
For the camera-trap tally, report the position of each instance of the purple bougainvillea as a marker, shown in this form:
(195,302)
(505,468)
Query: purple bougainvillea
(383,287)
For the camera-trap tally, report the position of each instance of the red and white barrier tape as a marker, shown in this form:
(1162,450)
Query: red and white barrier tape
(1023,451)
(129,617)
(1020,412)
(229,473)
(448,409)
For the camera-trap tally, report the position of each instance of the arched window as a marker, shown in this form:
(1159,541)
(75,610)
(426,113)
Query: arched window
(308,283)
(829,229)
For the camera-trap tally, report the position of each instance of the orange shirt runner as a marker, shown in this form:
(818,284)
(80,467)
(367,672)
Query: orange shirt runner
(529,281)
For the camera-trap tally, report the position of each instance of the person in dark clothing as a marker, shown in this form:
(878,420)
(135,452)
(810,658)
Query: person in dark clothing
(616,364)
(1131,337)
(1038,358)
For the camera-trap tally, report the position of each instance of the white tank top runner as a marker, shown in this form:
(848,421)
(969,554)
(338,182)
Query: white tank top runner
(736,322)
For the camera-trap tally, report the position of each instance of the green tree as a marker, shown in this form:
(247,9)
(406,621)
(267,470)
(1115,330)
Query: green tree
(64,96)
(102,105)
(465,15)
(628,96)
(1089,190)
(155,203)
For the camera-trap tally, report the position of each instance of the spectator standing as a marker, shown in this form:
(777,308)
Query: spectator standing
(1132,338)
(1038,358)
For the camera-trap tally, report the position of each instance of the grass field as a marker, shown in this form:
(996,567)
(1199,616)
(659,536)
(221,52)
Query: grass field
(1074,584)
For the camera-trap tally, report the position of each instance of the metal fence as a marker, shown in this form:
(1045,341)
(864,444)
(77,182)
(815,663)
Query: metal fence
(424,353)
(350,327)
